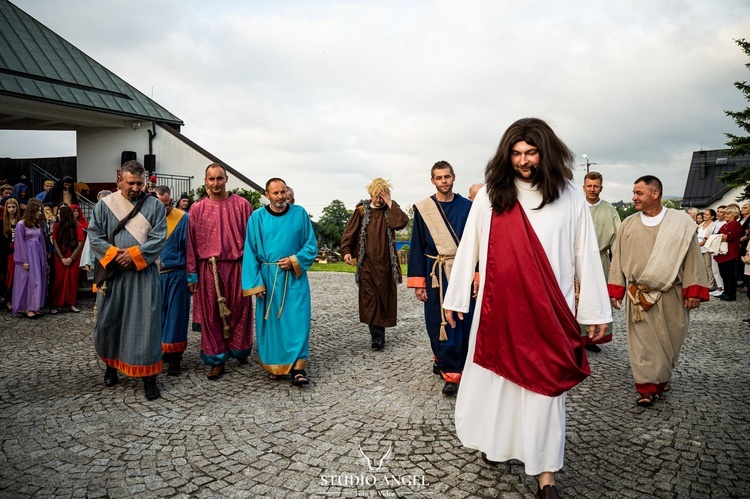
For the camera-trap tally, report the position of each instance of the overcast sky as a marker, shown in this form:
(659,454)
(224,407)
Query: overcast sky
(329,95)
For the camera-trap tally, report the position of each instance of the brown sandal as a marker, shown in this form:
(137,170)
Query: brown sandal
(646,399)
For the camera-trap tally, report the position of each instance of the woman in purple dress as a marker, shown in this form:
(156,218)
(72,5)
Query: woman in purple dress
(30,280)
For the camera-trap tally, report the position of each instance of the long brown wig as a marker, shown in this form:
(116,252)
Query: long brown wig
(554,170)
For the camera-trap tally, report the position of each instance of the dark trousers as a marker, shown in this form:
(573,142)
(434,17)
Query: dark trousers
(727,271)
(377,333)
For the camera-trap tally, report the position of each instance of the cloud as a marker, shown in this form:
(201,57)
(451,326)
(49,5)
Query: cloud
(331,94)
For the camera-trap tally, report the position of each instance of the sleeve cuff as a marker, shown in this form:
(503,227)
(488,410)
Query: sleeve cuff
(253,291)
(416,282)
(616,291)
(135,254)
(192,278)
(695,291)
(108,256)
(295,265)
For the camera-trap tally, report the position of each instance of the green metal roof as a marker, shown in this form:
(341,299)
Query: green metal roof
(37,64)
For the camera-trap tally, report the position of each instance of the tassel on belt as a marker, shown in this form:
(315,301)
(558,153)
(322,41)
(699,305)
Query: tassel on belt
(223,309)
(273,289)
(436,274)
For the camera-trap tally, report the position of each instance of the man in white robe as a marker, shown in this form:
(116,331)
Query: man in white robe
(532,234)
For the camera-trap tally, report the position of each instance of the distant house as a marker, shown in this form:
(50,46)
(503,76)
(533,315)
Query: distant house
(702,190)
(48,84)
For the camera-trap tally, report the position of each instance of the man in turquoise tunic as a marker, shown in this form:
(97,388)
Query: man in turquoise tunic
(280,247)
(173,280)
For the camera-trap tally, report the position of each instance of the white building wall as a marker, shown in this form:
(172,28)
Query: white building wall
(729,198)
(100,151)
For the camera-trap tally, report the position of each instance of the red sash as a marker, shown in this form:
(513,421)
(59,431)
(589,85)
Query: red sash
(527,333)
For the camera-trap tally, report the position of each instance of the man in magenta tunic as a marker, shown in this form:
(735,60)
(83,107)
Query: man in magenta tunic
(216,238)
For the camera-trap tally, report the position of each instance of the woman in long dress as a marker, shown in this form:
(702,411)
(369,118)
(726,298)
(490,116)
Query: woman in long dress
(67,240)
(12,214)
(30,256)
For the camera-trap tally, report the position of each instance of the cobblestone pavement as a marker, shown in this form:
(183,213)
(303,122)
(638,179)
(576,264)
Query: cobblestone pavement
(64,434)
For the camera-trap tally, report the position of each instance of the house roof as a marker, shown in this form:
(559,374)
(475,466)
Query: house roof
(37,64)
(702,189)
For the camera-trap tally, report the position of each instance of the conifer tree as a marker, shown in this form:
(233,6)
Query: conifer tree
(740,145)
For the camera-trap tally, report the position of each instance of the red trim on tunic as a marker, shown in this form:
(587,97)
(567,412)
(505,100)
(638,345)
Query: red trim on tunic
(178,347)
(655,388)
(616,291)
(134,371)
(416,282)
(135,254)
(696,291)
(527,332)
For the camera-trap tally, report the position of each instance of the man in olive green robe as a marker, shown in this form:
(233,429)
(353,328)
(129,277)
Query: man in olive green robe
(606,224)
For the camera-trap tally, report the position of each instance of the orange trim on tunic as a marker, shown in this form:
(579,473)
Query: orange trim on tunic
(178,347)
(135,254)
(109,256)
(134,371)
(280,369)
(296,266)
(254,291)
(416,282)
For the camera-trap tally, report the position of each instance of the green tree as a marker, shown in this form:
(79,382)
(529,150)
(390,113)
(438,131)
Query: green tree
(740,145)
(405,233)
(331,225)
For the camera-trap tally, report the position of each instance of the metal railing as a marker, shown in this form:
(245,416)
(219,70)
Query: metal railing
(178,184)
(38,175)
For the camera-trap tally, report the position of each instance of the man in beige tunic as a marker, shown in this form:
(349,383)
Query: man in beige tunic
(657,268)
(606,223)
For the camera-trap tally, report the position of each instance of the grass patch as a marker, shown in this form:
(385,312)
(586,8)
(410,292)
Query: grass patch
(340,267)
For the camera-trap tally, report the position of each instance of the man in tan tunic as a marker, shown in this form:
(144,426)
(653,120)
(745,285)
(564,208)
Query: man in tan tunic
(657,268)
(369,242)
(606,223)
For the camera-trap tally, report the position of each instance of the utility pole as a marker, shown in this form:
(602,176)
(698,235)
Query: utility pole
(588,163)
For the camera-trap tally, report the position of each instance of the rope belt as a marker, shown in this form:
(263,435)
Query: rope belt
(438,268)
(273,289)
(223,309)
(639,301)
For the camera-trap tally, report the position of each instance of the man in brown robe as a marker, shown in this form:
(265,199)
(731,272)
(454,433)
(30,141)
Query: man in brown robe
(369,242)
(658,269)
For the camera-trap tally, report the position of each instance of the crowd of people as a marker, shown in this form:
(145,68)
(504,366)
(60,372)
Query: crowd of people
(41,242)
(518,281)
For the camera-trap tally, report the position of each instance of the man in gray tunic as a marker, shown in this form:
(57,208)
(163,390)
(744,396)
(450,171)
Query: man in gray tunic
(128,232)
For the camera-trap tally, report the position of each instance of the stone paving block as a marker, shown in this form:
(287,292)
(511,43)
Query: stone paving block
(224,438)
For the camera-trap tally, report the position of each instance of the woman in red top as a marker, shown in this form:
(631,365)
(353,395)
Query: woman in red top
(731,232)
(67,239)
